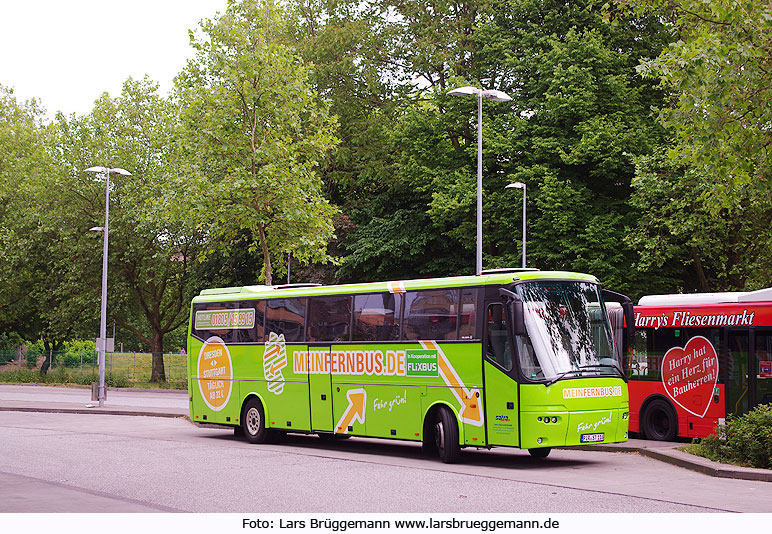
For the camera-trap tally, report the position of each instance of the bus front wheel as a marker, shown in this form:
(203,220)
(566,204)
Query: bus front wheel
(659,421)
(541,452)
(253,422)
(446,436)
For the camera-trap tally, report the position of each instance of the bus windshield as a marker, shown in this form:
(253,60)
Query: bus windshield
(568,331)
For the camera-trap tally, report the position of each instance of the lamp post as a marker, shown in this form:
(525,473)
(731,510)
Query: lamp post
(520,185)
(496,96)
(101,342)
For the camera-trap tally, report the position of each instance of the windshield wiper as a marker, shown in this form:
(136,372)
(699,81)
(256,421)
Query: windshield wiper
(561,375)
(615,367)
(581,369)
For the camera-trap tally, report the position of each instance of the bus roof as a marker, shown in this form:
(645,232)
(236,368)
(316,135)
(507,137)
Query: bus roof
(499,277)
(762,295)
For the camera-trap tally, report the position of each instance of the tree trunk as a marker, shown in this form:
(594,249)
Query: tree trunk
(702,280)
(266,255)
(47,362)
(158,374)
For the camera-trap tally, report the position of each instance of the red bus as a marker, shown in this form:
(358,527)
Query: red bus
(696,358)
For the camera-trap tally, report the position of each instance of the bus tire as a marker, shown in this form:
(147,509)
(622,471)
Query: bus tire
(238,431)
(446,435)
(253,422)
(659,421)
(540,452)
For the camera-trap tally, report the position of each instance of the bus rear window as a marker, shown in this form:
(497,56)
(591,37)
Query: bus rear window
(233,322)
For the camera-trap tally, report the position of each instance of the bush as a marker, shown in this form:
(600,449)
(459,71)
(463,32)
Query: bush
(78,351)
(744,440)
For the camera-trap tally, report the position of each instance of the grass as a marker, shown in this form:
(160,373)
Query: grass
(121,370)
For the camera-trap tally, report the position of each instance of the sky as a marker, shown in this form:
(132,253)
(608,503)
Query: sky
(66,53)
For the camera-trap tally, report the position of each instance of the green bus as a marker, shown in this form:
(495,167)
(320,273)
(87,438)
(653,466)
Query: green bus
(518,358)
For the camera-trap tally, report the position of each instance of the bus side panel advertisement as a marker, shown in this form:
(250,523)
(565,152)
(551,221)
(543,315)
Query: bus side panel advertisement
(690,373)
(376,391)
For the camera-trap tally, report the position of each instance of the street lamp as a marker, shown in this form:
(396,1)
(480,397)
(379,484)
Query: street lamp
(520,185)
(496,96)
(101,342)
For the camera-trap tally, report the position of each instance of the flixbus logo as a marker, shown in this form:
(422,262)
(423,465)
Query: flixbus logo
(421,363)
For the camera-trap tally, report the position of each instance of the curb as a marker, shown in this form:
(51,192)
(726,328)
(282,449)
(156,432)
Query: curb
(81,386)
(707,467)
(93,411)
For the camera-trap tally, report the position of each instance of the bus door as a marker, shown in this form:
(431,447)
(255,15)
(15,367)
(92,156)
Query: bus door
(500,371)
(735,370)
(761,367)
(320,388)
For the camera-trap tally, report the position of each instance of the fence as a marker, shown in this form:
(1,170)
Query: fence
(135,367)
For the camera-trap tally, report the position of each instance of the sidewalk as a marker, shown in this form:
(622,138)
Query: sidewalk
(120,401)
(174,403)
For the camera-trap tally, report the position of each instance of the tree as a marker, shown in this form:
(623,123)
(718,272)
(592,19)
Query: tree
(719,78)
(153,247)
(257,133)
(579,110)
(38,295)
(695,246)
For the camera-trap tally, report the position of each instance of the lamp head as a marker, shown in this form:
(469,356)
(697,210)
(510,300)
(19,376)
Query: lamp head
(464,91)
(496,96)
(116,170)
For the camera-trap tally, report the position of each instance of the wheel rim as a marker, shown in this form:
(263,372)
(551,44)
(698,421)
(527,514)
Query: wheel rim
(439,436)
(253,421)
(660,423)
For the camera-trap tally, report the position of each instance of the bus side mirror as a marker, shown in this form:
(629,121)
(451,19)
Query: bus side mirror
(518,317)
(516,311)
(627,309)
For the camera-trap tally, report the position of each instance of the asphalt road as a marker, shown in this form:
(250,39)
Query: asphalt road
(54,462)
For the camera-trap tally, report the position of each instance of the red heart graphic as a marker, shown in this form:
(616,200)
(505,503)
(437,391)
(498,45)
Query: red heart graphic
(689,375)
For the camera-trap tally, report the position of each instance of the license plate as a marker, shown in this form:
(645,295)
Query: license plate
(591,438)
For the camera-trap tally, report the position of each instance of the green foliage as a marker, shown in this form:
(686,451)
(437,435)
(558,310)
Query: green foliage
(579,110)
(719,77)
(62,376)
(23,265)
(256,132)
(698,247)
(744,440)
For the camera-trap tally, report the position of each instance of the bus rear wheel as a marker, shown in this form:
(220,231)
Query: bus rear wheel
(446,436)
(253,422)
(659,421)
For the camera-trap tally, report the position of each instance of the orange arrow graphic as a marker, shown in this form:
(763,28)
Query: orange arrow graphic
(471,411)
(354,411)
(278,366)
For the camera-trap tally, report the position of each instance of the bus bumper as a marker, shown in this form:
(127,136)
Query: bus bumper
(559,429)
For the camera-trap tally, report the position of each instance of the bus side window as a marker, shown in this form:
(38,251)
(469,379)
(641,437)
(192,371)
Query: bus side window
(636,363)
(431,314)
(286,316)
(376,317)
(468,313)
(329,318)
(498,348)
